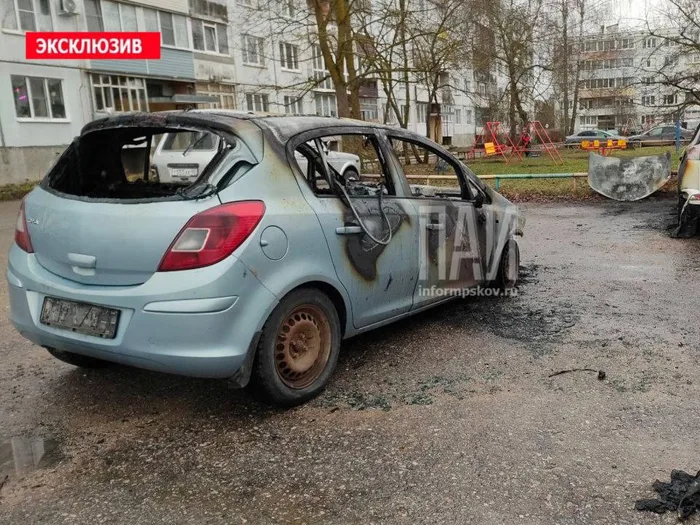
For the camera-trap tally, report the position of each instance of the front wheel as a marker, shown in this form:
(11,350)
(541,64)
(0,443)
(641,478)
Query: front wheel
(351,175)
(298,348)
(509,266)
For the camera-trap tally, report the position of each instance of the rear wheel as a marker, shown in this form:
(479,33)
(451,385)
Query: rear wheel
(82,361)
(298,348)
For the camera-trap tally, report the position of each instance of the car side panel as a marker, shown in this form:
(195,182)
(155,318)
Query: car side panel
(288,248)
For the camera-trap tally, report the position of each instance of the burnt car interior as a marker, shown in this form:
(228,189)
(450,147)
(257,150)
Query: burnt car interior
(116,164)
(374,178)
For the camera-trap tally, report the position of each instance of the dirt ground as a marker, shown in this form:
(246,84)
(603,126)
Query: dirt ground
(448,417)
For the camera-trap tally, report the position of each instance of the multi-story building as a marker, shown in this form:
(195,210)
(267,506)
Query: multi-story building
(621,83)
(214,53)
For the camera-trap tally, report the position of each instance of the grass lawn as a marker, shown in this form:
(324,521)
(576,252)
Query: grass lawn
(575,161)
(13,192)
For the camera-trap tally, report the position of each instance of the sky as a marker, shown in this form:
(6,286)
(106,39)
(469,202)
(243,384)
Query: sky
(629,13)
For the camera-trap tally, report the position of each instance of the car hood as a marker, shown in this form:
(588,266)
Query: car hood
(341,155)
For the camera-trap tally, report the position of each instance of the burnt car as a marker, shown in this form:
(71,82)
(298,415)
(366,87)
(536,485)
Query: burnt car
(688,210)
(260,266)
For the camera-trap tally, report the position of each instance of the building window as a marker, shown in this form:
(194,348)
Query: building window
(224,92)
(249,3)
(119,94)
(293,105)
(93,15)
(167,30)
(119,17)
(172,27)
(669,100)
(469,117)
(325,104)
(289,56)
(369,109)
(322,76)
(257,102)
(421,112)
(253,50)
(288,9)
(210,37)
(648,100)
(649,43)
(27,15)
(458,117)
(39,98)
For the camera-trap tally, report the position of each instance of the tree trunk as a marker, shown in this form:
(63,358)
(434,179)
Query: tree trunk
(565,62)
(574,110)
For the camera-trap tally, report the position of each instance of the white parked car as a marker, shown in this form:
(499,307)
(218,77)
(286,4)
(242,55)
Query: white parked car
(181,157)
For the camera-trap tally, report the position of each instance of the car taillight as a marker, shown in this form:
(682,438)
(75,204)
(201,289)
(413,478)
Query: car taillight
(22,232)
(693,153)
(212,235)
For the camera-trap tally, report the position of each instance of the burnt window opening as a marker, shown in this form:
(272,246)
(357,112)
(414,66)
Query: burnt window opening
(138,163)
(353,160)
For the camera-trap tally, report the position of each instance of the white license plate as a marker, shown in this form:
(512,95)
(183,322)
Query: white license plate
(183,172)
(83,318)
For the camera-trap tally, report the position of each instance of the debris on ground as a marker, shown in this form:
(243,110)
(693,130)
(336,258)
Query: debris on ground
(601,373)
(681,495)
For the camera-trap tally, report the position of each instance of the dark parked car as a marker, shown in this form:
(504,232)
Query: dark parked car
(659,136)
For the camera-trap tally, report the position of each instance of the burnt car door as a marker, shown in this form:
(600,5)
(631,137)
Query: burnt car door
(450,218)
(365,222)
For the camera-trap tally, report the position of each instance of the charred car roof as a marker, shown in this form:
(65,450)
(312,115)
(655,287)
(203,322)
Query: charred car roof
(283,127)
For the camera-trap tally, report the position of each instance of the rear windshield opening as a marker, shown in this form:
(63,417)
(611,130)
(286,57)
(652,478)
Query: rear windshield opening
(137,163)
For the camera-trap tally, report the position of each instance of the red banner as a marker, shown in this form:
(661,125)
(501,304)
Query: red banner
(87,45)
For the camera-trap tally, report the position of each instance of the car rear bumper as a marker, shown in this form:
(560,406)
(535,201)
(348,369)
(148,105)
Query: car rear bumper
(201,323)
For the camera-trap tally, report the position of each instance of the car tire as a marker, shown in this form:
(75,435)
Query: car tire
(298,348)
(508,266)
(78,360)
(351,174)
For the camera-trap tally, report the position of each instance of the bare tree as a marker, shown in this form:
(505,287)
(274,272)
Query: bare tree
(672,59)
(518,43)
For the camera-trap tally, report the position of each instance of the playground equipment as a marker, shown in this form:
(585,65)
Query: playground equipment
(603,147)
(526,146)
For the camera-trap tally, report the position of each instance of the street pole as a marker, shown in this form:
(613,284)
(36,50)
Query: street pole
(678,135)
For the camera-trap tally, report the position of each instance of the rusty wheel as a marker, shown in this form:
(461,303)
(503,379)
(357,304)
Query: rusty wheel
(298,348)
(303,346)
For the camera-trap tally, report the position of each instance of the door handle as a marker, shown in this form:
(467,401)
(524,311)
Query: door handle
(435,226)
(348,230)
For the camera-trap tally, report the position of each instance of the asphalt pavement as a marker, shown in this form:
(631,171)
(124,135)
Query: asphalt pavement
(448,417)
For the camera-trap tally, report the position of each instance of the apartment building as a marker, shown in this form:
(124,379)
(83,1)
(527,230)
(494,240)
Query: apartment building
(234,54)
(620,81)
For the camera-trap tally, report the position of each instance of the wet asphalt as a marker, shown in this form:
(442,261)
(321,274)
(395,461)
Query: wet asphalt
(447,417)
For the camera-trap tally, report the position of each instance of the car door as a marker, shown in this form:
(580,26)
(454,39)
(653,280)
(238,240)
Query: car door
(366,225)
(450,222)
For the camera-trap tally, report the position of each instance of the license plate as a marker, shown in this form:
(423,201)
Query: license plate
(83,318)
(183,172)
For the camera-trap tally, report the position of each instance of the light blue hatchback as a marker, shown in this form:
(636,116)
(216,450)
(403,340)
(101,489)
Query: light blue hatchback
(263,264)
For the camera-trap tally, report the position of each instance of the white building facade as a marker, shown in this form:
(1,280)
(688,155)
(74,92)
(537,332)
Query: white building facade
(233,54)
(621,82)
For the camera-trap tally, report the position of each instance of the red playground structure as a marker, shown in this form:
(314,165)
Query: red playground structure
(526,147)
(492,146)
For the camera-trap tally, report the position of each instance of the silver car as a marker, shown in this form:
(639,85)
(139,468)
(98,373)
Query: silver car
(259,267)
